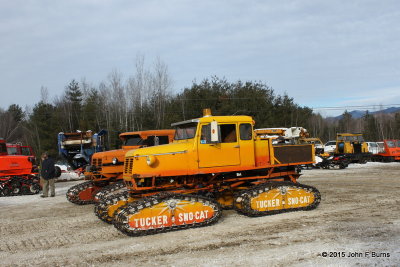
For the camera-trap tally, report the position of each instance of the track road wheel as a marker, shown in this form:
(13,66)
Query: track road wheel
(16,185)
(276,197)
(6,191)
(106,208)
(34,188)
(109,189)
(16,190)
(166,212)
(82,194)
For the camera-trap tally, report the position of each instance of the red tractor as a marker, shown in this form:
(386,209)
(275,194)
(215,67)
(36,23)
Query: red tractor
(18,174)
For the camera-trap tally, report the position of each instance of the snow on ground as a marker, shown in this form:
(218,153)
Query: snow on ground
(356,224)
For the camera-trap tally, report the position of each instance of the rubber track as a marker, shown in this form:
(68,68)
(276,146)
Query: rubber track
(6,191)
(107,190)
(73,193)
(121,219)
(246,194)
(101,208)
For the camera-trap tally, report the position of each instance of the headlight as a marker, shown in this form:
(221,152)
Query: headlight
(114,161)
(151,160)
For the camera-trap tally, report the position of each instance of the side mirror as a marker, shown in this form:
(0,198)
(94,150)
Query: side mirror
(215,138)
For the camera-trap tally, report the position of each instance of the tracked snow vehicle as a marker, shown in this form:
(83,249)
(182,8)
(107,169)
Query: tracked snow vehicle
(214,162)
(352,147)
(390,151)
(104,175)
(18,174)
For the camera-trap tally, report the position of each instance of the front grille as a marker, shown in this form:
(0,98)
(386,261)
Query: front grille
(97,162)
(128,166)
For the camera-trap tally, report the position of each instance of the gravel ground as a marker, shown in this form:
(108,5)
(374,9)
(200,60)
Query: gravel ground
(357,223)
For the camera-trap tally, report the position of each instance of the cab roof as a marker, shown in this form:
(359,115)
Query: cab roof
(144,134)
(222,119)
(349,134)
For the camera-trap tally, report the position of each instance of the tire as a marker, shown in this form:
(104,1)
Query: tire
(57,172)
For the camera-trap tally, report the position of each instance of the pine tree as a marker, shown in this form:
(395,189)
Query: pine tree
(16,112)
(370,127)
(42,121)
(73,95)
(345,123)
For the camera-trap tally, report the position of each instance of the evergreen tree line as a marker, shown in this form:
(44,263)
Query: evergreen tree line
(145,101)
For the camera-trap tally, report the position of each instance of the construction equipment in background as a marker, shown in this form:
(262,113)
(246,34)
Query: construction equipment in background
(283,135)
(18,174)
(352,147)
(324,160)
(78,147)
(214,162)
(104,174)
(298,135)
(389,151)
(292,135)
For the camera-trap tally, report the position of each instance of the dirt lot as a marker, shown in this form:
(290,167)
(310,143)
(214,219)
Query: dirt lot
(357,223)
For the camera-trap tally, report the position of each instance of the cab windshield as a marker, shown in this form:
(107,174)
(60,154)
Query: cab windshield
(12,151)
(133,140)
(185,131)
(391,144)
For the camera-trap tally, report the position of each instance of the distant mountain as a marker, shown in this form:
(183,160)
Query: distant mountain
(360,113)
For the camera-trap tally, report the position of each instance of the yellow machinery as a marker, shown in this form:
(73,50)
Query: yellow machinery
(213,162)
(352,146)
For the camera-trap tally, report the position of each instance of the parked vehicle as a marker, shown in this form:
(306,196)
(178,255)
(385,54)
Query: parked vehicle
(353,147)
(390,152)
(18,174)
(373,147)
(330,146)
(381,147)
(78,147)
(214,162)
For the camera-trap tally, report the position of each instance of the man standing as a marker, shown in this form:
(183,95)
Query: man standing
(47,173)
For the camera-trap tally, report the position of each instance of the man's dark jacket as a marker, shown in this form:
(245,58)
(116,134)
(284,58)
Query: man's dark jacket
(48,170)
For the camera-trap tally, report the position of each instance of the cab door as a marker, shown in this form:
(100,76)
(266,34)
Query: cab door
(225,152)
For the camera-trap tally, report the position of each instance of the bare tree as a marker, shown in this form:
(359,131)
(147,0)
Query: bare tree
(161,86)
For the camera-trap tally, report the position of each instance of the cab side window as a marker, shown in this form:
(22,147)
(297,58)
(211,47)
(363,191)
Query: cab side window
(246,132)
(162,140)
(228,133)
(205,137)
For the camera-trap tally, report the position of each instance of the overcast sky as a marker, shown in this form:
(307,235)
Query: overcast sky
(321,53)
